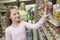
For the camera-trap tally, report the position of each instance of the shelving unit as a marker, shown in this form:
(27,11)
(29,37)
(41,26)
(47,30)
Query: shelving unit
(51,28)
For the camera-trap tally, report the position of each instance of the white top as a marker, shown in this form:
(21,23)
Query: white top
(18,33)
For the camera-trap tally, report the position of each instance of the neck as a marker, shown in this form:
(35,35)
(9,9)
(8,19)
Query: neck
(15,24)
(23,9)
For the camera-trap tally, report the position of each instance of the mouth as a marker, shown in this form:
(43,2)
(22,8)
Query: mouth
(17,18)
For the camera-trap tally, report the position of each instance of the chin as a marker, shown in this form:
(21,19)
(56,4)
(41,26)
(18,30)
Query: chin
(18,21)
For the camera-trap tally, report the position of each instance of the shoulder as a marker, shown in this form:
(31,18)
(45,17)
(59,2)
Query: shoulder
(8,28)
(23,22)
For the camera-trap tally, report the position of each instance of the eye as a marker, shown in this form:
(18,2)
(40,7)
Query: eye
(14,13)
(18,13)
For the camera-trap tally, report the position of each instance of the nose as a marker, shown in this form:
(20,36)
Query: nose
(17,15)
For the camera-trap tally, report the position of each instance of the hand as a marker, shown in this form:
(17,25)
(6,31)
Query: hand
(46,15)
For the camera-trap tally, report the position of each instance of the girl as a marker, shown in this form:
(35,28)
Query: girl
(16,27)
(23,12)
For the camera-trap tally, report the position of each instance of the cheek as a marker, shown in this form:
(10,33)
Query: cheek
(12,17)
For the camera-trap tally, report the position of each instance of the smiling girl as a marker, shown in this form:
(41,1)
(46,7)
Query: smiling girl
(16,27)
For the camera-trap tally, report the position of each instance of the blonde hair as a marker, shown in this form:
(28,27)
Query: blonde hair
(8,20)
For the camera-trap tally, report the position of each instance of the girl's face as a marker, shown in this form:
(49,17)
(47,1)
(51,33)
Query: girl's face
(14,15)
(22,5)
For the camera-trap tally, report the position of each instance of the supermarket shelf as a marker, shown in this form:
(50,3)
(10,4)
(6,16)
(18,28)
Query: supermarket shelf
(8,1)
(2,11)
(54,22)
(54,27)
(52,32)
(50,27)
(15,2)
(42,35)
(48,33)
(5,1)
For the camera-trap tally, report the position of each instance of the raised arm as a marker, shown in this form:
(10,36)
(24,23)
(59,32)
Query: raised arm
(39,23)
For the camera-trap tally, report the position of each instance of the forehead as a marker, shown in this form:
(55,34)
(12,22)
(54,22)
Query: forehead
(13,10)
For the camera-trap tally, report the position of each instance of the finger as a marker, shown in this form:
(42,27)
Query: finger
(45,11)
(48,15)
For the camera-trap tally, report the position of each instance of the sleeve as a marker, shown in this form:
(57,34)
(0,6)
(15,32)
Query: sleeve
(8,35)
(37,25)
